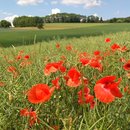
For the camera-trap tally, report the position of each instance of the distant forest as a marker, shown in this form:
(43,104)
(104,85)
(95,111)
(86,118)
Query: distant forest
(27,21)
(71,18)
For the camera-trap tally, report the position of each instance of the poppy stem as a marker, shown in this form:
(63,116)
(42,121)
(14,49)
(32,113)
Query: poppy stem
(96,122)
(50,128)
(80,127)
(38,107)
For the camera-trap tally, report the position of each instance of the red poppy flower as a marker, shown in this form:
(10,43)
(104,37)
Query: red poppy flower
(53,67)
(127,89)
(31,114)
(62,69)
(2,84)
(63,57)
(26,57)
(39,93)
(83,55)
(32,118)
(96,53)
(55,82)
(115,47)
(123,49)
(85,81)
(11,69)
(94,63)
(24,112)
(73,78)
(21,52)
(69,47)
(84,61)
(127,66)
(84,97)
(50,68)
(71,83)
(107,40)
(19,57)
(25,63)
(57,45)
(106,89)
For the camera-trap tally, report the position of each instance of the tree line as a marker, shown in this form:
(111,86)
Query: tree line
(63,18)
(26,21)
(119,20)
(71,18)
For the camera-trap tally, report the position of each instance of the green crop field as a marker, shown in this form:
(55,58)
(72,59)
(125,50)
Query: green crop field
(26,36)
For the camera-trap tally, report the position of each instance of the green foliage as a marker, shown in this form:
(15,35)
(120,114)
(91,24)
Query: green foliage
(25,21)
(93,19)
(64,18)
(40,26)
(119,20)
(101,20)
(71,18)
(5,24)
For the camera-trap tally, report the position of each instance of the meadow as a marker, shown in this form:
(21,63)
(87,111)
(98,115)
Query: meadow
(27,36)
(66,84)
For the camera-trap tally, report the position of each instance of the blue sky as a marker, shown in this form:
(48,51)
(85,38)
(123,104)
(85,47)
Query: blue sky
(105,8)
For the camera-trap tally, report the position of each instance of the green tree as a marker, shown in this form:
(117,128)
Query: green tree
(101,20)
(5,24)
(40,26)
(25,21)
(127,19)
(114,20)
(93,19)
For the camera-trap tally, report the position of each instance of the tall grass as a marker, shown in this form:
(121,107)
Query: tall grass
(63,110)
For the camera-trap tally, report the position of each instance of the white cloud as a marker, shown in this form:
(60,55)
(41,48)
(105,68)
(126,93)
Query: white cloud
(10,19)
(55,11)
(29,2)
(86,3)
(54,2)
(95,14)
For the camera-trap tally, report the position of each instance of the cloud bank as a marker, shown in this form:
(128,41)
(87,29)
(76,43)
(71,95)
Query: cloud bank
(29,2)
(86,3)
(55,11)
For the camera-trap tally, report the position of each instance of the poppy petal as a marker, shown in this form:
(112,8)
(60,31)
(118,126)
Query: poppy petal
(102,94)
